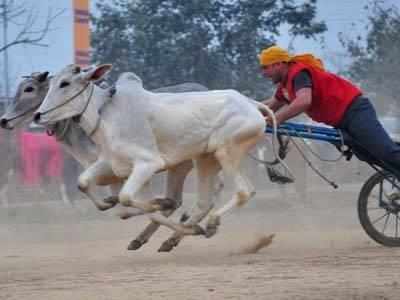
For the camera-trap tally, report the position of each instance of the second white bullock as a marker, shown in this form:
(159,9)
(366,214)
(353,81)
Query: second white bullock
(140,133)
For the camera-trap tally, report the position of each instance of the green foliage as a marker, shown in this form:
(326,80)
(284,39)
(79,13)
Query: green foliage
(212,42)
(376,60)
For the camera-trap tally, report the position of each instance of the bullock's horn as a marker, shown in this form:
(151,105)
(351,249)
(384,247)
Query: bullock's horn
(77,70)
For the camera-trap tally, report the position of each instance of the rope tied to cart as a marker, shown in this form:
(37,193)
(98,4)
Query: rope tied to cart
(301,131)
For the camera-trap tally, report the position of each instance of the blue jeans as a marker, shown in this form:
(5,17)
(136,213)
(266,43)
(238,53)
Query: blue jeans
(369,137)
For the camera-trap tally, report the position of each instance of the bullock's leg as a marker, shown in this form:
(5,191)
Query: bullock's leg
(207,169)
(90,177)
(217,189)
(115,188)
(175,180)
(230,157)
(173,241)
(142,172)
(125,212)
(179,228)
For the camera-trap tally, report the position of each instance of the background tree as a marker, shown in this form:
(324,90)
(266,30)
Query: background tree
(213,42)
(376,60)
(26,19)
(31,30)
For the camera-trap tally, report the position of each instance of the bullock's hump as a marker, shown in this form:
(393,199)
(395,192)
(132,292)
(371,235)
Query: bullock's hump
(129,77)
(182,88)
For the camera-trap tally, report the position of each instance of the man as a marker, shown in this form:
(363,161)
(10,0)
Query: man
(304,86)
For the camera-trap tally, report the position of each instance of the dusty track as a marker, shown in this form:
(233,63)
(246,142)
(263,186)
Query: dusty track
(319,252)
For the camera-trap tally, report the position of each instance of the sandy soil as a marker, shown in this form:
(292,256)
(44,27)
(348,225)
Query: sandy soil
(319,252)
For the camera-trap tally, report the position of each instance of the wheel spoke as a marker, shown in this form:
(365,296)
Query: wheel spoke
(386,222)
(380,218)
(397,217)
(375,208)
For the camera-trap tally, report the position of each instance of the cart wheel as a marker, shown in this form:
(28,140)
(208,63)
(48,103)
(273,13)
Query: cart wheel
(378,209)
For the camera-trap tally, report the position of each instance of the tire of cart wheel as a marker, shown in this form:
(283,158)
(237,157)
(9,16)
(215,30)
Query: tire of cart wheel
(363,213)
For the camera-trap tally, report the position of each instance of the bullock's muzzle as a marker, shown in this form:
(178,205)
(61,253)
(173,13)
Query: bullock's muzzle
(36,117)
(3,123)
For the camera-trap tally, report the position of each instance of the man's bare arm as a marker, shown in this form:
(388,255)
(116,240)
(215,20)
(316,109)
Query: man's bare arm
(299,105)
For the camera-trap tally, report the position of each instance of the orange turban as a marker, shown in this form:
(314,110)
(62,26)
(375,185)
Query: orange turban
(276,54)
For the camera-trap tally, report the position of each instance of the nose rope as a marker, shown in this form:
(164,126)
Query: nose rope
(23,113)
(78,116)
(69,100)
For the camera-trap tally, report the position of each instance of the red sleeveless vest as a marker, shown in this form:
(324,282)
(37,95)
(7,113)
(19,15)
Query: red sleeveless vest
(331,94)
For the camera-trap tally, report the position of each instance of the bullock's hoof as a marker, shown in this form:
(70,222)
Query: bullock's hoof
(210,231)
(198,230)
(104,207)
(169,244)
(164,204)
(165,247)
(184,218)
(212,226)
(108,203)
(135,244)
(112,200)
(124,215)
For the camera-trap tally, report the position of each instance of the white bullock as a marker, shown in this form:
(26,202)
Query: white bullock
(31,93)
(140,133)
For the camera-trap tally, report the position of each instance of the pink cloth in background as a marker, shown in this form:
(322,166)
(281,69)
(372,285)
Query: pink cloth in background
(40,156)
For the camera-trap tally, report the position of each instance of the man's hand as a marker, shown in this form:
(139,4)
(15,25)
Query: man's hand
(268,120)
(273,103)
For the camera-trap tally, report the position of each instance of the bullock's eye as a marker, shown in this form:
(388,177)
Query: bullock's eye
(28,89)
(64,84)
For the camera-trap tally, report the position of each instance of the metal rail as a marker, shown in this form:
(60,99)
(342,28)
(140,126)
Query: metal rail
(319,133)
(333,136)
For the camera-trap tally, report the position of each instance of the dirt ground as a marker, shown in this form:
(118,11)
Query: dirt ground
(319,252)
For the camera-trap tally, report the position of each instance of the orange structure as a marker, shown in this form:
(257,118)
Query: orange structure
(81,32)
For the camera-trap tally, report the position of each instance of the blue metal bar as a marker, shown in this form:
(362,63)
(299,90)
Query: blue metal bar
(311,128)
(332,136)
(309,132)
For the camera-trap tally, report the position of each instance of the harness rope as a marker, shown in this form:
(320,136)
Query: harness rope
(77,117)
(269,164)
(70,99)
(24,113)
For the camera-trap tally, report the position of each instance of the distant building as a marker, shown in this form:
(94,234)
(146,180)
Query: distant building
(81,32)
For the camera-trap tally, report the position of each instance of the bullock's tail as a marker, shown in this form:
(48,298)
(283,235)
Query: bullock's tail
(264,108)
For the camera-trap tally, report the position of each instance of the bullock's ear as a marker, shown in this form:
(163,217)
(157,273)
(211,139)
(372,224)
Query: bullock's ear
(94,74)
